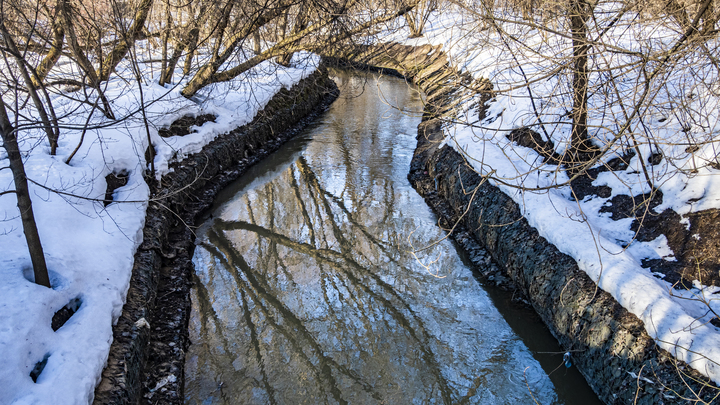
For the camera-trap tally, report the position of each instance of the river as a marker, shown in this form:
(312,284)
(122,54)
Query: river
(321,277)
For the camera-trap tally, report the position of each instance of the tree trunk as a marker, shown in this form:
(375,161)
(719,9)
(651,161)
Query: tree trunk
(580,144)
(121,49)
(300,24)
(220,29)
(187,43)
(418,17)
(412,26)
(80,57)
(167,73)
(165,42)
(192,45)
(281,30)
(24,204)
(55,51)
(256,42)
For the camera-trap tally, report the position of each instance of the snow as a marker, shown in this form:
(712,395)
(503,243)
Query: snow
(605,249)
(89,248)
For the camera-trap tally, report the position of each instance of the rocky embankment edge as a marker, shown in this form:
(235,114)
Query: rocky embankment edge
(608,345)
(147,356)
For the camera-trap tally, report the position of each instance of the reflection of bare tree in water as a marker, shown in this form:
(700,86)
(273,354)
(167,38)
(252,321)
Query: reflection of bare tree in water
(344,252)
(276,314)
(305,294)
(240,380)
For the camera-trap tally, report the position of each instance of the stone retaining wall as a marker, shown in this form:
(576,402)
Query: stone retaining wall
(146,361)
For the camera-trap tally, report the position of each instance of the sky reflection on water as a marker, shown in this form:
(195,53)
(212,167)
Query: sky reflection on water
(307,291)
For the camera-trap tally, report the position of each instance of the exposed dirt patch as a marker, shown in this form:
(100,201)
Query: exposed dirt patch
(114,181)
(183,125)
(65,313)
(39,367)
(696,247)
(583,187)
(531,139)
(692,238)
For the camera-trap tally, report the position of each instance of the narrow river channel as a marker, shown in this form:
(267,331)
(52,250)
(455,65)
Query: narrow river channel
(312,285)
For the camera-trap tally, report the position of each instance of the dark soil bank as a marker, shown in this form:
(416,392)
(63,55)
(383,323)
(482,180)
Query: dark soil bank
(608,345)
(147,356)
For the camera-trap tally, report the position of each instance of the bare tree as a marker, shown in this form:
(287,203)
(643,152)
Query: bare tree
(21,64)
(593,111)
(186,40)
(320,34)
(67,12)
(56,46)
(126,36)
(24,203)
(418,17)
(300,23)
(222,49)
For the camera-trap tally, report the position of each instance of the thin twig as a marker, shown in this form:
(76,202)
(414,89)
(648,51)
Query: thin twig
(528,386)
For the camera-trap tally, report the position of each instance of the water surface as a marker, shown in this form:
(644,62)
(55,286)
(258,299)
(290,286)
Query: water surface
(312,288)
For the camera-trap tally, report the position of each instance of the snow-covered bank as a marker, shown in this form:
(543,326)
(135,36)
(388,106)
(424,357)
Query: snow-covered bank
(90,246)
(605,249)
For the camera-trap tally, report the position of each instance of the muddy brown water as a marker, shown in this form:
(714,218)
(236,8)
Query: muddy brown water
(322,278)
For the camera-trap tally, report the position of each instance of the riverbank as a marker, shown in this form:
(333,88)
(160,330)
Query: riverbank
(150,338)
(89,200)
(609,345)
